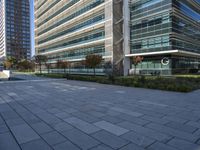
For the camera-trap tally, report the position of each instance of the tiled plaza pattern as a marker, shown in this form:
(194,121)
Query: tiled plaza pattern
(71,115)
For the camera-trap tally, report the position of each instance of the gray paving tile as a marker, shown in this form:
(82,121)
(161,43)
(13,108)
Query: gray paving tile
(70,110)
(36,145)
(183,145)
(131,147)
(29,117)
(65,146)
(9,115)
(7,142)
(33,99)
(85,117)
(160,146)
(155,120)
(5,108)
(197,133)
(112,113)
(193,124)
(112,119)
(96,113)
(175,119)
(117,130)
(133,119)
(15,122)
(48,118)
(53,138)
(110,139)
(62,126)
(1,120)
(41,127)
(81,139)
(145,131)
(173,132)
(53,110)
(138,139)
(181,127)
(102,147)
(82,125)
(62,115)
(198,142)
(3,128)
(23,133)
(125,111)
(188,116)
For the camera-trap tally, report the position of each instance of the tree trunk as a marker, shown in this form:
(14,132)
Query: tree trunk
(40,69)
(135,70)
(94,72)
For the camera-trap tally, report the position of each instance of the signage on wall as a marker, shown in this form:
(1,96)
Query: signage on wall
(165,61)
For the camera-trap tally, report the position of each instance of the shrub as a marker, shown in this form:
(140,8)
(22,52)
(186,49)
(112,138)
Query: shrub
(179,84)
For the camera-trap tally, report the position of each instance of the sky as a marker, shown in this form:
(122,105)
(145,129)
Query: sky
(32,27)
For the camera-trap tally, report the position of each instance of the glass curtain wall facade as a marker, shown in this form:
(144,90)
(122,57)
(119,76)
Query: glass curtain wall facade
(70,30)
(16,29)
(166,30)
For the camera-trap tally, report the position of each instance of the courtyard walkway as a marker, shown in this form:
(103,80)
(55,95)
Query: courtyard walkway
(45,114)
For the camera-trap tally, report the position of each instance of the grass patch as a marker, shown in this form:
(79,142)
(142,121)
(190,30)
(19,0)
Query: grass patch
(173,83)
(188,76)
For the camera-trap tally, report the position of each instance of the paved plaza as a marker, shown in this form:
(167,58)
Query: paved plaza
(45,114)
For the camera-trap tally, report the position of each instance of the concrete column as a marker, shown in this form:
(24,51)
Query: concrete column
(126,14)
(109,28)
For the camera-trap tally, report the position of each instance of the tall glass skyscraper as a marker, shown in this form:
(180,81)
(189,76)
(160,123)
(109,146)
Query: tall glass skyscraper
(167,34)
(15,29)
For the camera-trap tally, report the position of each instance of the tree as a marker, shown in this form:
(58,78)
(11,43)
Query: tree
(136,61)
(92,61)
(58,64)
(7,64)
(48,66)
(40,59)
(64,65)
(25,65)
(10,62)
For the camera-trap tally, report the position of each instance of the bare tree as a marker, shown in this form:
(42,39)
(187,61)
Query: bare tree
(92,61)
(48,66)
(65,64)
(40,59)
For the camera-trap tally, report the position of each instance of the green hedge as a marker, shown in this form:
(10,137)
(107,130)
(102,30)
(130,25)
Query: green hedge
(180,84)
(51,75)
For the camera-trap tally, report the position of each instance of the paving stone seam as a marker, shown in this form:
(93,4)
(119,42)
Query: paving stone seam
(27,124)
(10,130)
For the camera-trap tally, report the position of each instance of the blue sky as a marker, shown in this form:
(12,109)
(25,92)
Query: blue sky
(32,27)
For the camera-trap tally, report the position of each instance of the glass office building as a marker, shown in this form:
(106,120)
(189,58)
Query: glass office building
(15,29)
(167,34)
(69,30)
(2,29)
